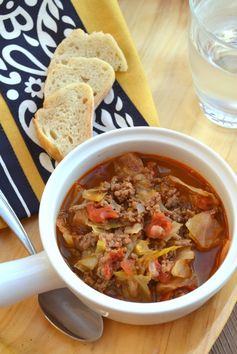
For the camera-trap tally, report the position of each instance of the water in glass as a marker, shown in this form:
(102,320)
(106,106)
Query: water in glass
(213,58)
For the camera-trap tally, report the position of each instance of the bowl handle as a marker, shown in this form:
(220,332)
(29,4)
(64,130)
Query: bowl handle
(27,276)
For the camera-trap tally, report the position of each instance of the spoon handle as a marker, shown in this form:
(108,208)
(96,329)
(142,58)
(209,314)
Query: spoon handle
(8,214)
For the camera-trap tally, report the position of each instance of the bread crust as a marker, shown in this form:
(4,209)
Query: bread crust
(96,44)
(51,149)
(58,114)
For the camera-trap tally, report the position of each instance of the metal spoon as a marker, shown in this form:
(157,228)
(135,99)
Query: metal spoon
(61,307)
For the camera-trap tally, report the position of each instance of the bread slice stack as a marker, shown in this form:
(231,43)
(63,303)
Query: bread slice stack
(80,75)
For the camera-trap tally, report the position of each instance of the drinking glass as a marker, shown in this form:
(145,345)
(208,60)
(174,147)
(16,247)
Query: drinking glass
(213,58)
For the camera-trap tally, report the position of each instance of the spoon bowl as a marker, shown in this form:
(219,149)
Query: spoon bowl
(74,317)
(60,306)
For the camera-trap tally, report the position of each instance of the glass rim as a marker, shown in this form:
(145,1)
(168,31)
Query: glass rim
(201,24)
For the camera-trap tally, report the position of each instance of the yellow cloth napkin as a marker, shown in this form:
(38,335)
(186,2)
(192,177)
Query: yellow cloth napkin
(26,48)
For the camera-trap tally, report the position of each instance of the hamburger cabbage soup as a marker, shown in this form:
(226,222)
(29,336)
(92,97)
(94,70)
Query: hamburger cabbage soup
(142,228)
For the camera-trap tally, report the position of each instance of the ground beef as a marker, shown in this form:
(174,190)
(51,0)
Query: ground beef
(167,190)
(109,200)
(180,215)
(177,206)
(153,204)
(131,216)
(122,189)
(97,281)
(84,242)
(173,201)
(117,239)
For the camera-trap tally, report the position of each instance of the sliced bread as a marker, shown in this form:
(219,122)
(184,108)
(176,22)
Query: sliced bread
(98,74)
(97,44)
(65,120)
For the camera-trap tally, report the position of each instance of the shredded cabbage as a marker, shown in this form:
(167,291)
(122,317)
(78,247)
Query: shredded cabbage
(143,281)
(134,229)
(121,275)
(93,194)
(153,271)
(134,282)
(194,189)
(65,231)
(152,255)
(185,253)
(145,194)
(142,181)
(162,252)
(100,246)
(141,247)
(176,283)
(204,230)
(68,238)
(80,217)
(140,208)
(181,269)
(87,263)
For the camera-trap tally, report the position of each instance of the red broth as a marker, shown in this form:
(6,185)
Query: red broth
(143,228)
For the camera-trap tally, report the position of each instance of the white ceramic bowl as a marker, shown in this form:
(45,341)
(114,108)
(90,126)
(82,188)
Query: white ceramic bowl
(48,270)
(153,141)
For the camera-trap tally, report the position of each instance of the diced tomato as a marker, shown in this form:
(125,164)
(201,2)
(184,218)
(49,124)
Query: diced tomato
(128,266)
(164,277)
(107,271)
(155,231)
(116,255)
(113,257)
(99,215)
(159,226)
(163,221)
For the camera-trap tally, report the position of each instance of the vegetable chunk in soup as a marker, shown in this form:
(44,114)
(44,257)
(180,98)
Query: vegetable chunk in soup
(142,228)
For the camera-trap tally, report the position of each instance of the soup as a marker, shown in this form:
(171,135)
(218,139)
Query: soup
(142,228)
